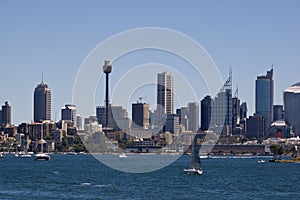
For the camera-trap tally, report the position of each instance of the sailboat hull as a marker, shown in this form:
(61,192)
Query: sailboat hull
(193,171)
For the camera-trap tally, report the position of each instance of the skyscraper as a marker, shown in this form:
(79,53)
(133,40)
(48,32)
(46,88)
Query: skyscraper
(140,115)
(172,124)
(264,98)
(165,92)
(222,108)
(291,98)
(42,102)
(243,110)
(116,115)
(193,116)
(205,113)
(69,113)
(6,114)
(255,127)
(235,113)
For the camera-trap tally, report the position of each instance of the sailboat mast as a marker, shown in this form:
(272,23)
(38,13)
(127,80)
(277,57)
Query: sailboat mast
(42,139)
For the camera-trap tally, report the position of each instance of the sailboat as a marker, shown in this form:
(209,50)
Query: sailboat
(195,163)
(42,155)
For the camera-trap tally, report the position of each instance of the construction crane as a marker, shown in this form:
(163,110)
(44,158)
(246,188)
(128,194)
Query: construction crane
(140,99)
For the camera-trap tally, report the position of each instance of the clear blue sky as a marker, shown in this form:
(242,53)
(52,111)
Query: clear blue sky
(54,37)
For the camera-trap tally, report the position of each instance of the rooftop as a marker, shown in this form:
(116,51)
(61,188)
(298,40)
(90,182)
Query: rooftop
(294,88)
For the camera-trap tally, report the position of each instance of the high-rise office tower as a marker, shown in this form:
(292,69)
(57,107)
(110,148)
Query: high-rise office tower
(69,113)
(165,92)
(101,114)
(140,115)
(291,98)
(235,113)
(42,102)
(193,116)
(264,98)
(255,127)
(243,110)
(222,108)
(172,124)
(205,113)
(116,115)
(6,114)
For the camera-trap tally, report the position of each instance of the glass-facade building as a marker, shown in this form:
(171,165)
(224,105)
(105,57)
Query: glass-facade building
(264,98)
(165,92)
(291,98)
(42,103)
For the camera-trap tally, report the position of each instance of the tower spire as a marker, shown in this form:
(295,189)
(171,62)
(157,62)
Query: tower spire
(42,77)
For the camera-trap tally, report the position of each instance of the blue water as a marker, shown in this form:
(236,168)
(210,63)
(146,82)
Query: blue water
(84,177)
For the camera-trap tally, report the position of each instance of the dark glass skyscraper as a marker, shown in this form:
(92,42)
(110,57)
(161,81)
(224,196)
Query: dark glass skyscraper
(6,114)
(235,113)
(222,108)
(140,115)
(264,93)
(243,110)
(205,112)
(42,102)
(264,98)
(69,113)
(193,116)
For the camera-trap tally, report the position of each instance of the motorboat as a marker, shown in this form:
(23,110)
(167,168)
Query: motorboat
(42,156)
(123,155)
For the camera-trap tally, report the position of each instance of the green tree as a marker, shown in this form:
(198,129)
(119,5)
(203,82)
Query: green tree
(277,151)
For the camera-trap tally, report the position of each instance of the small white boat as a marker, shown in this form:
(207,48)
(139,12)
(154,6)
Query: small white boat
(123,155)
(42,156)
(1,155)
(72,153)
(261,161)
(25,155)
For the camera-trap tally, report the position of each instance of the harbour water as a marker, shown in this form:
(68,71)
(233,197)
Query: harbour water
(84,177)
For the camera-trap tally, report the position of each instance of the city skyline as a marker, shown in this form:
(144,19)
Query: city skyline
(45,98)
(257,34)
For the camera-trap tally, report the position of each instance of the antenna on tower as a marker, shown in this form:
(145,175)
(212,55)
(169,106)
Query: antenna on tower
(236,93)
(42,77)
(140,99)
(106,54)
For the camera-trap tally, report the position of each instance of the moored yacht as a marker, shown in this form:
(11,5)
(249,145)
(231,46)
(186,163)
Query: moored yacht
(42,155)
